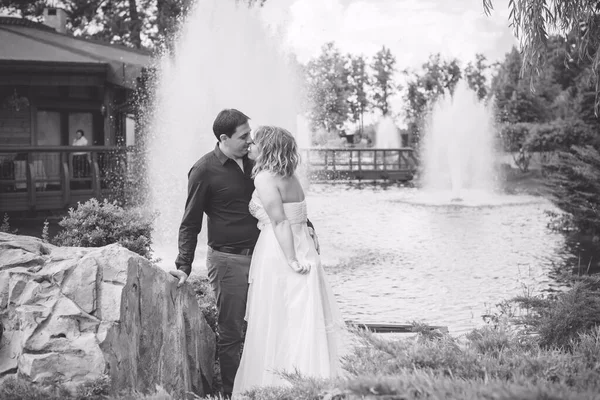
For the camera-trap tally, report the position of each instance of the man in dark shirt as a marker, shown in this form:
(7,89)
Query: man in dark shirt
(220,185)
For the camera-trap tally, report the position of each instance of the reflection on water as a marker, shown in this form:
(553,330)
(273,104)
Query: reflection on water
(393,260)
(393,256)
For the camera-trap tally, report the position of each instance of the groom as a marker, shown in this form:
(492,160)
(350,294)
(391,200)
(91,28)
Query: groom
(220,185)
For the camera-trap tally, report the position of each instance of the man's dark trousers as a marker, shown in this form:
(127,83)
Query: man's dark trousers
(228,275)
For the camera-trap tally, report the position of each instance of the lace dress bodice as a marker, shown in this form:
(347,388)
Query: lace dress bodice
(295,212)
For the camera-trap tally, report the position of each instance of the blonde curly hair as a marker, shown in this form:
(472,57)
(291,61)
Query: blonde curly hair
(277,151)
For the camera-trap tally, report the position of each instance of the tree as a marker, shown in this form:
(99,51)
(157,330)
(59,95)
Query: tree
(358,81)
(383,66)
(475,76)
(532,19)
(126,22)
(423,88)
(514,99)
(121,21)
(573,175)
(32,9)
(575,186)
(327,79)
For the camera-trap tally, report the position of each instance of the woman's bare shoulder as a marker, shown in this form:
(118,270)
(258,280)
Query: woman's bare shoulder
(266,178)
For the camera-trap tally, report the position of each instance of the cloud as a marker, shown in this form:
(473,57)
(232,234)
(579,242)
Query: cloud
(412,29)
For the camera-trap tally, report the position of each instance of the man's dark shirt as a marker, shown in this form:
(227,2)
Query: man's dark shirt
(218,187)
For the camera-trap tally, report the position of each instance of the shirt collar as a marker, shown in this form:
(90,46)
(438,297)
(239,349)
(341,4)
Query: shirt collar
(220,155)
(223,158)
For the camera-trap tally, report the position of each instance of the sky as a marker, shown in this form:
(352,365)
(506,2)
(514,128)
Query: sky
(412,29)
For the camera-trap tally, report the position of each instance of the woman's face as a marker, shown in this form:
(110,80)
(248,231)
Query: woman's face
(253,151)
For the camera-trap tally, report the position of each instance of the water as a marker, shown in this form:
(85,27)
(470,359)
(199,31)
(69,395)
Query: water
(225,58)
(458,145)
(387,135)
(392,259)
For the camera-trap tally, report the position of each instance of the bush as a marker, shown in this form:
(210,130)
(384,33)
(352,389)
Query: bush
(206,300)
(562,319)
(13,388)
(5,226)
(575,187)
(95,224)
(558,135)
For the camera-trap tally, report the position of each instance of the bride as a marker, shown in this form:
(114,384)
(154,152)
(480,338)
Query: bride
(294,324)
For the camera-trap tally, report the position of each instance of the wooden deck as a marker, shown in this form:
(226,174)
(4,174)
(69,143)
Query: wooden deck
(394,328)
(363,163)
(35,178)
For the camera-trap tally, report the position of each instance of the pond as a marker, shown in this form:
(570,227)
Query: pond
(394,256)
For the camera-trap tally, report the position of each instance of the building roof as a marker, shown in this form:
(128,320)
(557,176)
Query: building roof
(22,40)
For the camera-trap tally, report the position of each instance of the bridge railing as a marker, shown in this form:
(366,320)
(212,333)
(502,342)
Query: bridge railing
(367,159)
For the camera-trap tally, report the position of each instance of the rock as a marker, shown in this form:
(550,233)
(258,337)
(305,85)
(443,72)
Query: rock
(72,315)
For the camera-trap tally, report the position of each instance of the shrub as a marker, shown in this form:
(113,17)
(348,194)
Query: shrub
(575,187)
(95,224)
(5,226)
(12,388)
(562,319)
(206,300)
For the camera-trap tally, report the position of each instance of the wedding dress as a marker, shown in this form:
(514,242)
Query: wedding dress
(294,324)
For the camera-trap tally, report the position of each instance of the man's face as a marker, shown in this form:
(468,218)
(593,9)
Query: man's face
(79,135)
(237,144)
(253,151)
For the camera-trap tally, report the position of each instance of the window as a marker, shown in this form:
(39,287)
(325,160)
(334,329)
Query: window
(405,140)
(48,128)
(83,121)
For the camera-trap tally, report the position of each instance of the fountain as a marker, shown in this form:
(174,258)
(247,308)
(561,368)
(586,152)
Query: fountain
(458,147)
(387,135)
(303,132)
(225,57)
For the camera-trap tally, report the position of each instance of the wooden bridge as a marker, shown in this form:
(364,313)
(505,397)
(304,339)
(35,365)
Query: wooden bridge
(361,163)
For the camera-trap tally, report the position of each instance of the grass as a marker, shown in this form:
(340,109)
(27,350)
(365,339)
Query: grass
(489,363)
(552,353)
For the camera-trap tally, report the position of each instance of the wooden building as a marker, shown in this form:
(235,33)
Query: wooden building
(51,86)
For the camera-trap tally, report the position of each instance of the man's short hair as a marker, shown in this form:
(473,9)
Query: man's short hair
(80,130)
(227,122)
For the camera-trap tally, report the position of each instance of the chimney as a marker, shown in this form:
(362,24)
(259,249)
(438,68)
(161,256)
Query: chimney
(56,18)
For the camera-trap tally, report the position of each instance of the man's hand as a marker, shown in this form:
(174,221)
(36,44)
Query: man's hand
(182,276)
(315,239)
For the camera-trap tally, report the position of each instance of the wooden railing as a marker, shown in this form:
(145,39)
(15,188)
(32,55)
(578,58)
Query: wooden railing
(56,177)
(362,163)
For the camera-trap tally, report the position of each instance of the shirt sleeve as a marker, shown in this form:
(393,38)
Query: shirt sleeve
(191,224)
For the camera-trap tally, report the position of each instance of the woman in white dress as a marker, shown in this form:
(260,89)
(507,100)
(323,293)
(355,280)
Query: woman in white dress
(294,324)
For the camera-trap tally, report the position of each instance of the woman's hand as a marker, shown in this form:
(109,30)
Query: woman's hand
(303,268)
